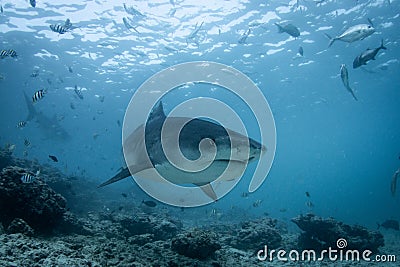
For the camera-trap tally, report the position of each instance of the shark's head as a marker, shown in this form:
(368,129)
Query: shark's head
(238,148)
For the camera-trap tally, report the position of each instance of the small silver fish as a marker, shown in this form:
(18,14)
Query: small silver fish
(128,25)
(352,34)
(344,74)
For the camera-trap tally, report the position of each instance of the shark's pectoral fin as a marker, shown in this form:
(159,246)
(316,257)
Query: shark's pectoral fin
(208,190)
(124,172)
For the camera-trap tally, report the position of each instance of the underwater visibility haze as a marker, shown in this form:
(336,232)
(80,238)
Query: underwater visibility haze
(329,70)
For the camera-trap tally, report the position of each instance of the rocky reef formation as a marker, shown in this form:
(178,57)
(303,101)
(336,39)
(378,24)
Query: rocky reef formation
(320,233)
(253,235)
(35,203)
(19,226)
(196,244)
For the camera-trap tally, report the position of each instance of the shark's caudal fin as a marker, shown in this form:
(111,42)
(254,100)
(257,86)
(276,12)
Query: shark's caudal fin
(31,108)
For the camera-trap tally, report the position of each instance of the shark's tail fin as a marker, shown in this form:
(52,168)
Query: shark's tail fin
(331,40)
(31,108)
(122,174)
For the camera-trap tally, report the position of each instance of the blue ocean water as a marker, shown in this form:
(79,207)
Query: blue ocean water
(343,152)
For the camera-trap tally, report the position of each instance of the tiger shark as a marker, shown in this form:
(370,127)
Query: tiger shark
(231,148)
(50,127)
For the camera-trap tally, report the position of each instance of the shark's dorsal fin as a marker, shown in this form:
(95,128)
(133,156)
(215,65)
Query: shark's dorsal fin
(157,113)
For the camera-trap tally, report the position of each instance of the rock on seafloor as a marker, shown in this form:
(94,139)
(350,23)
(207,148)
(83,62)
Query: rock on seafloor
(197,244)
(320,233)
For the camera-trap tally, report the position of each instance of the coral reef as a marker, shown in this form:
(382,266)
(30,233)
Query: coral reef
(253,235)
(19,226)
(108,232)
(320,233)
(197,244)
(36,203)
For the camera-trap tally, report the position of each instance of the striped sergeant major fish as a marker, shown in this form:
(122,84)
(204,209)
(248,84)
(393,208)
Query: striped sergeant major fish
(21,124)
(38,95)
(3,53)
(78,92)
(58,28)
(12,53)
(27,178)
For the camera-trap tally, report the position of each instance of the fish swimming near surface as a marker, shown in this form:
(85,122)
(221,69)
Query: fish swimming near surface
(133,11)
(193,35)
(189,138)
(244,36)
(289,29)
(38,95)
(33,3)
(128,25)
(344,74)
(1,9)
(352,34)
(366,56)
(68,25)
(50,127)
(390,224)
(300,51)
(58,28)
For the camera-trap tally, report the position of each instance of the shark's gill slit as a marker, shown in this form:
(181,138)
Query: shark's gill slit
(173,134)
